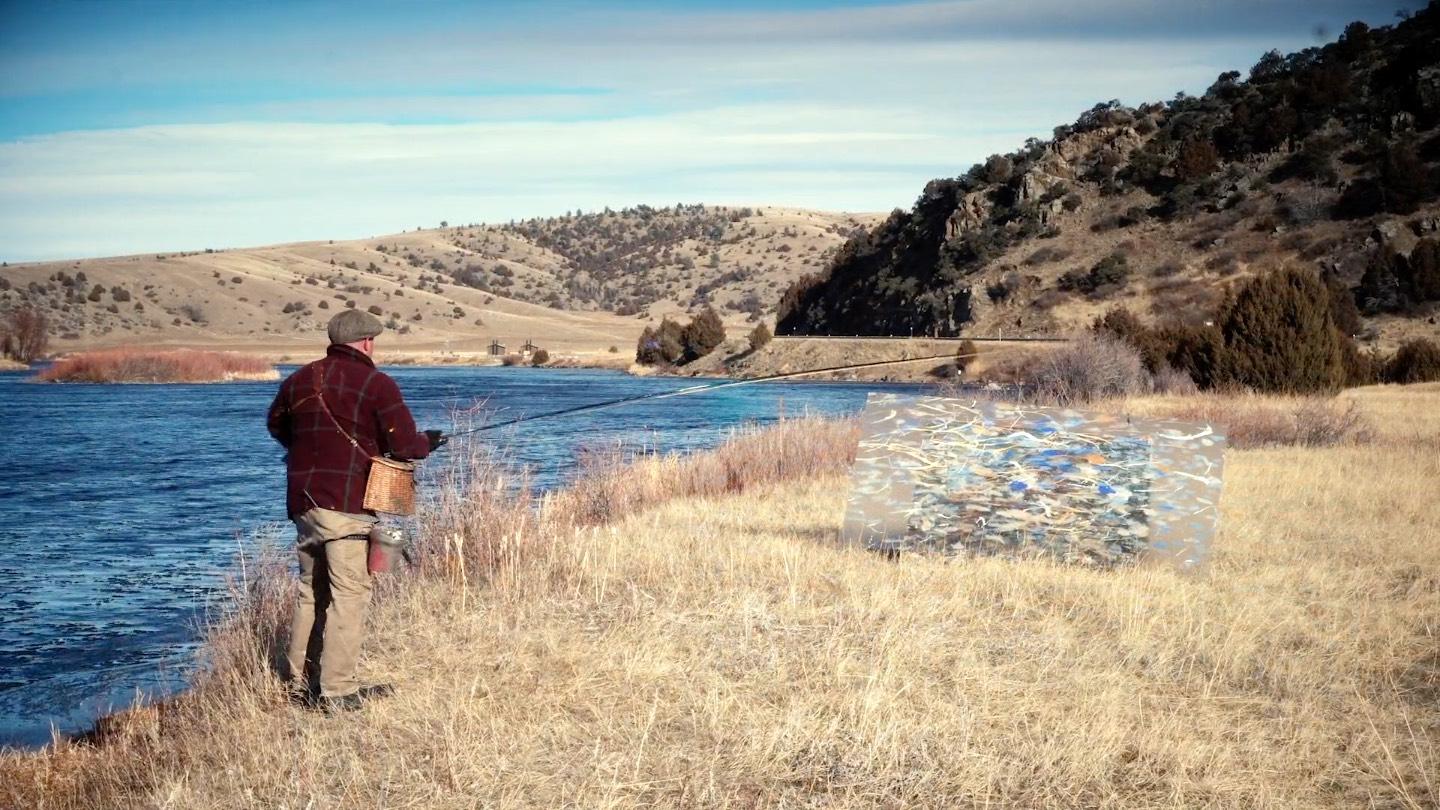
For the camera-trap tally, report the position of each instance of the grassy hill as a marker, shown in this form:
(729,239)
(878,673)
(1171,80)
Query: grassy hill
(582,282)
(1329,157)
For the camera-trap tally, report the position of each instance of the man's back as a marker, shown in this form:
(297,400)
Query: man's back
(323,468)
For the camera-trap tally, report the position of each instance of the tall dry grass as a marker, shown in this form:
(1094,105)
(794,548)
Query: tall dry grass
(139,365)
(1260,420)
(712,648)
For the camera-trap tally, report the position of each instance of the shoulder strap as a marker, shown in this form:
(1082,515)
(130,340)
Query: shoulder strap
(320,396)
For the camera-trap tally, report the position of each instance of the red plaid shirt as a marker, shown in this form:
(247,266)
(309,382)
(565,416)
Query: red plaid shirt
(322,467)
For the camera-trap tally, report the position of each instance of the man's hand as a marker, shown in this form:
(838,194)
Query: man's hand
(436,439)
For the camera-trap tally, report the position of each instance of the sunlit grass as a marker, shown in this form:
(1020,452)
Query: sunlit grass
(688,633)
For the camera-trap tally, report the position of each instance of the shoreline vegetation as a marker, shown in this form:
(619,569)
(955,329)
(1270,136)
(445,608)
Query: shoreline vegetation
(140,365)
(687,632)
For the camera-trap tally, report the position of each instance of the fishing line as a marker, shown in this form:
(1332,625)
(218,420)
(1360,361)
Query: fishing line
(695,389)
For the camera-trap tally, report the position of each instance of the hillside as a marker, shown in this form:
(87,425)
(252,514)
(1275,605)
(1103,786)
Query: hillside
(1329,157)
(581,282)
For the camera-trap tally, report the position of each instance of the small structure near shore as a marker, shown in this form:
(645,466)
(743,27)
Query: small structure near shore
(138,365)
(983,478)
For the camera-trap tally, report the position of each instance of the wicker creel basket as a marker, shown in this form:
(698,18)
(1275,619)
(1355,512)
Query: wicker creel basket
(391,487)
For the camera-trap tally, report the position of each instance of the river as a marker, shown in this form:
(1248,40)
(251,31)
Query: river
(125,505)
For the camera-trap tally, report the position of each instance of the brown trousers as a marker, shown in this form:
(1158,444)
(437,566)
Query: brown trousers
(328,625)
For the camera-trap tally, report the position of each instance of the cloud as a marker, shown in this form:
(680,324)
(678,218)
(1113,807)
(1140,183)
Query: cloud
(458,115)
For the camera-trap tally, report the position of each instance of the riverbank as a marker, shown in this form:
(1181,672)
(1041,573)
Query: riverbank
(687,633)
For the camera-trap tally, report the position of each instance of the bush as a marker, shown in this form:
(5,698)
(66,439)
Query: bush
(1109,274)
(27,335)
(539,358)
(965,354)
(511,360)
(1415,361)
(660,346)
(759,337)
(1090,367)
(1197,160)
(193,312)
(1121,323)
(1268,421)
(147,365)
(1280,336)
(702,334)
(374,309)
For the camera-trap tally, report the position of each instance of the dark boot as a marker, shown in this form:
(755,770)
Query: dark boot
(353,701)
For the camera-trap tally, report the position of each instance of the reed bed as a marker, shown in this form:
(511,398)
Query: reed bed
(139,365)
(688,634)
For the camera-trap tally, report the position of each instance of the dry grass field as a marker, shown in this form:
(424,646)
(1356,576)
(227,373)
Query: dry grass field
(688,634)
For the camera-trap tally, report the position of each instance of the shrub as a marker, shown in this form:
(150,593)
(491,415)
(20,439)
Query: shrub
(704,332)
(1090,367)
(965,354)
(1280,336)
(27,335)
(759,337)
(659,346)
(1108,274)
(1121,323)
(193,312)
(539,357)
(1268,421)
(1172,381)
(146,365)
(511,360)
(1415,361)
(1197,160)
(1424,266)
(119,294)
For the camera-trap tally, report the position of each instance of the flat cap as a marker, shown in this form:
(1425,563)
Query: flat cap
(353,325)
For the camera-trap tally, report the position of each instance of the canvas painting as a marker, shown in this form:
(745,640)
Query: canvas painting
(980,478)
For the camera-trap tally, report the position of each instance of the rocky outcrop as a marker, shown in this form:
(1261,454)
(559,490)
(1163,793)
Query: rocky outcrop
(1395,235)
(972,212)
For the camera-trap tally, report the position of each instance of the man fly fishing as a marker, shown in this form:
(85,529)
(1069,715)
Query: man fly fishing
(333,417)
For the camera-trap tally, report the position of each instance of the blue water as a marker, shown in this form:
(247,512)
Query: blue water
(124,506)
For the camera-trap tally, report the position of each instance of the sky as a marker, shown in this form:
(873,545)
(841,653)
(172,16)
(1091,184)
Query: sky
(132,127)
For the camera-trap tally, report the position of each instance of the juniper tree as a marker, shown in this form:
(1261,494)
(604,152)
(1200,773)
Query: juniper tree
(1415,361)
(1280,336)
(704,332)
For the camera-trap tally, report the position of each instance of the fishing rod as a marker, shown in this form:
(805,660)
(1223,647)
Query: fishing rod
(695,389)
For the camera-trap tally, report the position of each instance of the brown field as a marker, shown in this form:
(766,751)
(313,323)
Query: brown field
(687,633)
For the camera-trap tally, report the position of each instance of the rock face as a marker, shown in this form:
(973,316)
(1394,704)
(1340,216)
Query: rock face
(1062,162)
(1076,149)
(972,212)
(1395,235)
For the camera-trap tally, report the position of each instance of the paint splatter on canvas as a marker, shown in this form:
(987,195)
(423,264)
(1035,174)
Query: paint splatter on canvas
(974,478)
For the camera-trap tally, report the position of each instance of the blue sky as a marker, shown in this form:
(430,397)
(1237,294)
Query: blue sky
(132,127)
